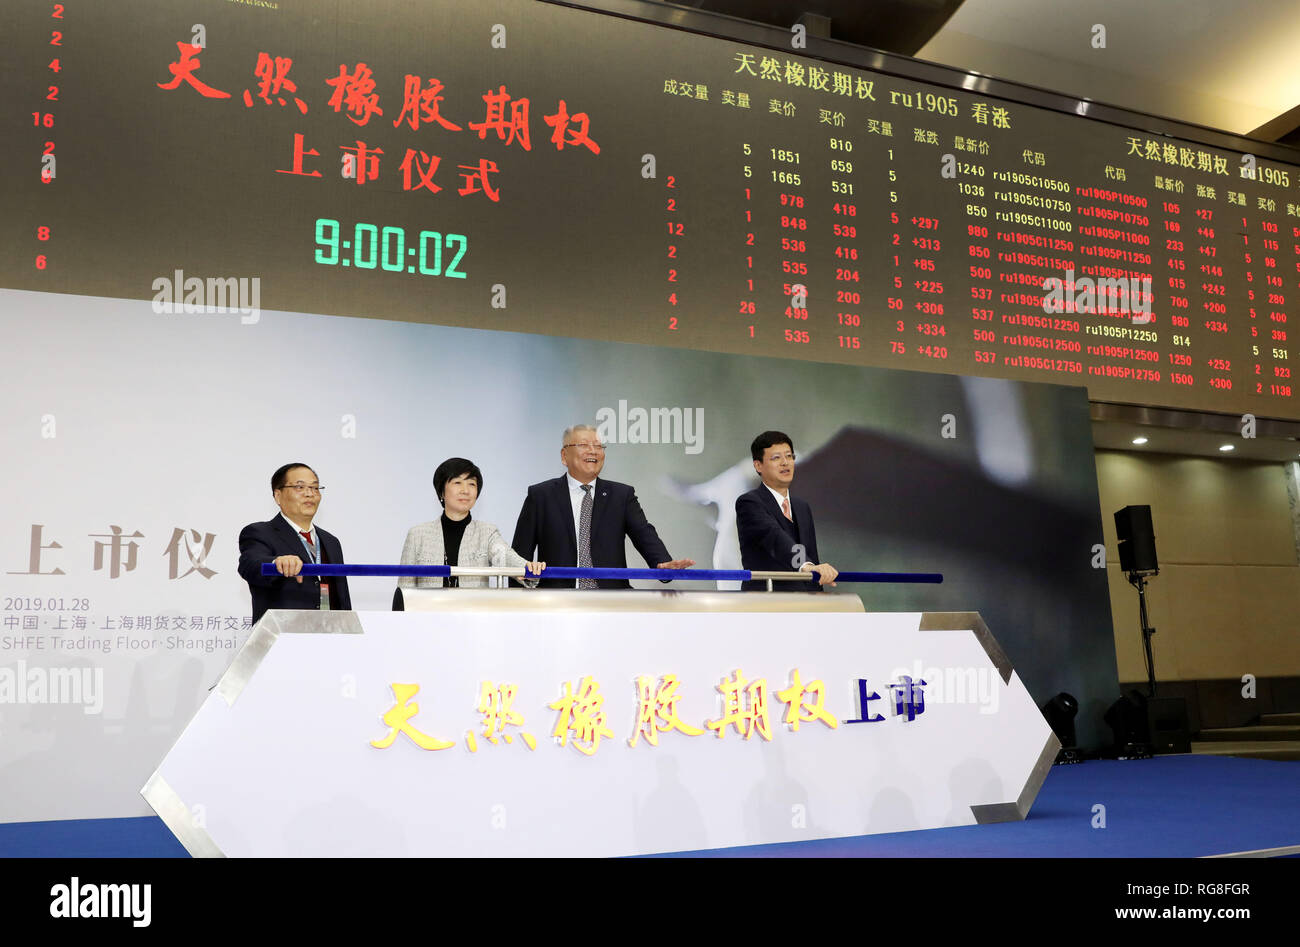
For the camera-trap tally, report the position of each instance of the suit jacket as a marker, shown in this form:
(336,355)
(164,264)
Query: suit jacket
(262,542)
(767,538)
(546,528)
(481,545)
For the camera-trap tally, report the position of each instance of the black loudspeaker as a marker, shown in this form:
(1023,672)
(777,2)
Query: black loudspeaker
(1128,720)
(1167,725)
(1137,540)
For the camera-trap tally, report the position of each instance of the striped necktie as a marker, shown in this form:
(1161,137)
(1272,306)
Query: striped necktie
(584,537)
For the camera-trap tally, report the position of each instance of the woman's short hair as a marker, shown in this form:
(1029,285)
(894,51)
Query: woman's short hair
(450,469)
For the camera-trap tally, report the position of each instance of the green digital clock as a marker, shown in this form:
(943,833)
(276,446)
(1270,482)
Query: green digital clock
(370,247)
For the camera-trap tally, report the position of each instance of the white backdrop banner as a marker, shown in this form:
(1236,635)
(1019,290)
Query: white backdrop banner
(139,443)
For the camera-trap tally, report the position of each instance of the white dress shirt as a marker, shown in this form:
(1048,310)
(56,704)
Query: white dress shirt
(315,540)
(312,559)
(780,500)
(575,499)
(576,494)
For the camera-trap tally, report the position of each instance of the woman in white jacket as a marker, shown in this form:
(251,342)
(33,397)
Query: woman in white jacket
(456,538)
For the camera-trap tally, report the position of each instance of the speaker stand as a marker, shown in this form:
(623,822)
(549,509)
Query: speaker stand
(1138,581)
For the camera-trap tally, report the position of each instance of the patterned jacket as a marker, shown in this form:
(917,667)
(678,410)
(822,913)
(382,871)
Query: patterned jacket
(482,545)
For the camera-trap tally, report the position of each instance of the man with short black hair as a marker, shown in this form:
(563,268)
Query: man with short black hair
(287,541)
(776,529)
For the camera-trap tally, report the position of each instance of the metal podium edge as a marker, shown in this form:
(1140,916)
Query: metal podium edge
(273,624)
(999,811)
(970,621)
(176,816)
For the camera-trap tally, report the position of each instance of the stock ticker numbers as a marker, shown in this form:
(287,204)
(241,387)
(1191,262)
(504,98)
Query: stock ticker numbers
(50,39)
(891,225)
(678,189)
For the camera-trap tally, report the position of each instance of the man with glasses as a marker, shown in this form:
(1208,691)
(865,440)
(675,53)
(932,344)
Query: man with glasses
(289,540)
(581,520)
(776,529)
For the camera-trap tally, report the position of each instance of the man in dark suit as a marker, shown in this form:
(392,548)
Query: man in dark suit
(580,520)
(287,540)
(776,530)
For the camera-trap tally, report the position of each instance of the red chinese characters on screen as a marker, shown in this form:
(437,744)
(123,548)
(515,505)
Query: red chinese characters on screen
(275,81)
(356,94)
(509,130)
(564,135)
(355,91)
(183,71)
(418,170)
(476,179)
(300,152)
(423,105)
(364,165)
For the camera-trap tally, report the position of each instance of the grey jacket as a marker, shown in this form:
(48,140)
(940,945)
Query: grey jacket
(482,545)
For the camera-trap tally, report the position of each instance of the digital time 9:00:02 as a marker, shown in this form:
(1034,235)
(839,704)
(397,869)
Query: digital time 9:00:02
(370,247)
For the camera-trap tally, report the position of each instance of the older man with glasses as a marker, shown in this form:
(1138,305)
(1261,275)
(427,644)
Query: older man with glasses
(290,540)
(581,519)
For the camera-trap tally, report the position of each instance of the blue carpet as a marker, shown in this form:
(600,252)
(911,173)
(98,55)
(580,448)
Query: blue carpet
(145,837)
(1170,806)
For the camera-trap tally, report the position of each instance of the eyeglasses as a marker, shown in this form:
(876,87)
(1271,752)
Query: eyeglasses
(595,447)
(304,487)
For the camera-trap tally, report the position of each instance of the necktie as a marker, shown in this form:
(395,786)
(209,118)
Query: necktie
(324,586)
(785,508)
(584,537)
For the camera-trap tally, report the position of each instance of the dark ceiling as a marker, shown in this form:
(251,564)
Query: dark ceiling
(1243,83)
(896,26)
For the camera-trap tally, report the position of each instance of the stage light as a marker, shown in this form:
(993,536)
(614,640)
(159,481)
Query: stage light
(1139,440)
(1060,712)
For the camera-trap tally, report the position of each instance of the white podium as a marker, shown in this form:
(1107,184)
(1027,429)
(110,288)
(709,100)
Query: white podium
(517,723)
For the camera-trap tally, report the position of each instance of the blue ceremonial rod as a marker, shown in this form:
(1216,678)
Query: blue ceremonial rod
(569,572)
(565,572)
(346,570)
(930,577)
